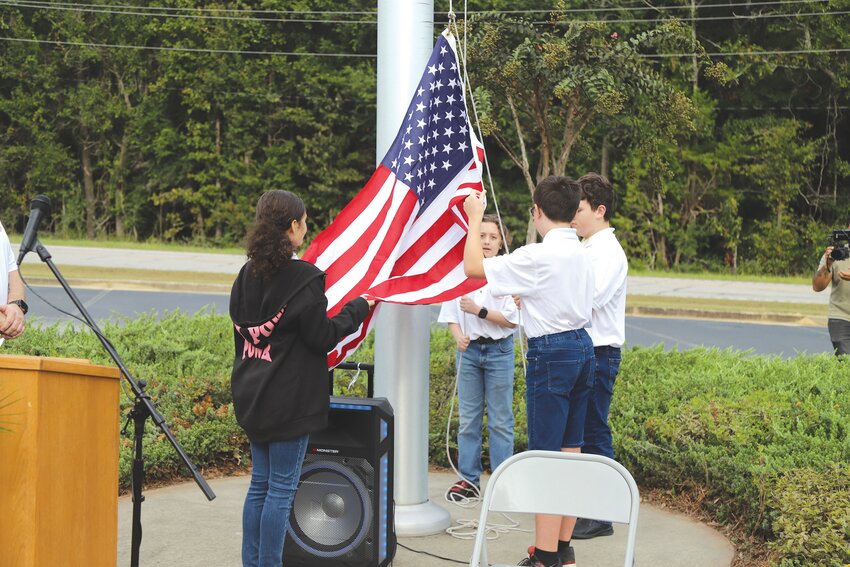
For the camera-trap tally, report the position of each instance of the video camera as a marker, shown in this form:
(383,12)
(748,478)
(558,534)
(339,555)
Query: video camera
(839,239)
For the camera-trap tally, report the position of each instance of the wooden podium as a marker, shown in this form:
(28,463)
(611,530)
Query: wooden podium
(58,462)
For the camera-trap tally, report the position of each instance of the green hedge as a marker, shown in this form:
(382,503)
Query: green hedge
(765,439)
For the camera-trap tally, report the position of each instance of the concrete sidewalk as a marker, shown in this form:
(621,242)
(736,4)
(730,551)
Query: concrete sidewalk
(182,529)
(231,263)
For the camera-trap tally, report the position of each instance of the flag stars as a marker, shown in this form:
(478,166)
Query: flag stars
(440,67)
(432,69)
(408,160)
(449,116)
(431,183)
(439,84)
(420,124)
(462,146)
(452,83)
(443,50)
(409,128)
(437,102)
(446,165)
(431,87)
(408,144)
(433,167)
(421,140)
(463,129)
(450,99)
(408,177)
(420,107)
(448,132)
(420,91)
(447,148)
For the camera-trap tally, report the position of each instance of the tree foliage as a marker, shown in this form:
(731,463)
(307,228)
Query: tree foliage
(724,130)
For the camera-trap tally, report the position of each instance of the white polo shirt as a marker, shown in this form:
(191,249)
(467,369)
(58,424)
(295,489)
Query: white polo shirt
(554,279)
(7,264)
(472,325)
(610,268)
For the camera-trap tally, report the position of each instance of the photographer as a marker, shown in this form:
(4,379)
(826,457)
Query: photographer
(12,304)
(837,272)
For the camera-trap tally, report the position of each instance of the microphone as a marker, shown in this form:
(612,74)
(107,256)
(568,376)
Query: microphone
(39,208)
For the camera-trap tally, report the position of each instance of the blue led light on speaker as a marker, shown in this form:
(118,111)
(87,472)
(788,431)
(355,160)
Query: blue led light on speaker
(384,430)
(352,407)
(382,510)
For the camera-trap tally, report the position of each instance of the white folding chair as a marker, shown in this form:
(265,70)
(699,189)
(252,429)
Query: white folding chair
(564,484)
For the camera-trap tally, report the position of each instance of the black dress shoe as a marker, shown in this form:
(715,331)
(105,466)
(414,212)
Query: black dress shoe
(589,529)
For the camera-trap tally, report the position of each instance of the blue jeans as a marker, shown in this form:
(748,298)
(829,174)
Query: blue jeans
(597,433)
(486,375)
(274,480)
(558,382)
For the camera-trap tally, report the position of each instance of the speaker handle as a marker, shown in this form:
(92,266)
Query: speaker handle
(370,376)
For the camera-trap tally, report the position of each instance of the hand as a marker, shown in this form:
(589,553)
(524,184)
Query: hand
(844,276)
(828,255)
(370,301)
(474,206)
(517,301)
(13,325)
(469,306)
(462,343)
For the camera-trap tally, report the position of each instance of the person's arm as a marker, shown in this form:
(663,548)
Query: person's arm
(473,253)
(493,315)
(321,333)
(461,339)
(823,276)
(14,323)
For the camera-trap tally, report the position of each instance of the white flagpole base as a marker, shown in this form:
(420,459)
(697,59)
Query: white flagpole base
(421,519)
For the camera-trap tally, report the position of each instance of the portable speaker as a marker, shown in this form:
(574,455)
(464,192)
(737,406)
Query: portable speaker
(342,514)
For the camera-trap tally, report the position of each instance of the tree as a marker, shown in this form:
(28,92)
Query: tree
(540,88)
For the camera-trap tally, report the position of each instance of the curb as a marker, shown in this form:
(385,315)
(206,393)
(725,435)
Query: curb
(136,285)
(781,318)
(672,312)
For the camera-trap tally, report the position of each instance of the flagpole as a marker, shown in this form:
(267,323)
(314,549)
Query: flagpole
(402,333)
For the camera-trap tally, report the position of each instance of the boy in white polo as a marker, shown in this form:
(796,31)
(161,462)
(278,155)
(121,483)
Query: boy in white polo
(608,329)
(13,308)
(554,281)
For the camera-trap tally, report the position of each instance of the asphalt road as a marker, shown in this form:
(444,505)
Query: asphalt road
(783,340)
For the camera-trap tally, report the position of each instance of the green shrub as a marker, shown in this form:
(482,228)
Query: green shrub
(765,439)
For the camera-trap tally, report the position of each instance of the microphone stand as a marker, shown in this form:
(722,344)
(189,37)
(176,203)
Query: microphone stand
(142,409)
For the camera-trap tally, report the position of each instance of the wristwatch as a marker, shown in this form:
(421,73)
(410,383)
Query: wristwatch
(483,313)
(22,304)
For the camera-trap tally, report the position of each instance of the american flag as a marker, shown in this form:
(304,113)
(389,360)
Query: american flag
(401,238)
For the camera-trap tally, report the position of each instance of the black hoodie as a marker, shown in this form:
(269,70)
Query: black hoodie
(282,335)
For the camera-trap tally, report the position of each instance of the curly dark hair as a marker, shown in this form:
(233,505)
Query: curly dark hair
(267,244)
(597,190)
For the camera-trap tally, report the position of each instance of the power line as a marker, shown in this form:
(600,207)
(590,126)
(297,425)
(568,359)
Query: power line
(248,11)
(191,49)
(216,10)
(746,53)
(148,12)
(373,56)
(736,17)
(106,10)
(650,7)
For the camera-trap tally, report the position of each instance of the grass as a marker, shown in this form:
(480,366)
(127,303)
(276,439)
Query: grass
(134,245)
(705,275)
(78,274)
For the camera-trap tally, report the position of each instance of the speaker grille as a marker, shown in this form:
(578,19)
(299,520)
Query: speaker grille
(332,511)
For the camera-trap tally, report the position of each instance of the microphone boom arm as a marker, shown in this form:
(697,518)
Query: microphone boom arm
(142,408)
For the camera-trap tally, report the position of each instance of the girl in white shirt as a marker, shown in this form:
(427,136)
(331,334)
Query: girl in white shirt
(482,326)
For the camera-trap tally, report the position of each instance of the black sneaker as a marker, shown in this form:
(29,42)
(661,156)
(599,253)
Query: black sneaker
(589,529)
(462,490)
(533,561)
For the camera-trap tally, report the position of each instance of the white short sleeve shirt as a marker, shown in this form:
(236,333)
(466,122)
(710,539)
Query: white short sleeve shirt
(553,278)
(8,264)
(472,325)
(610,268)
